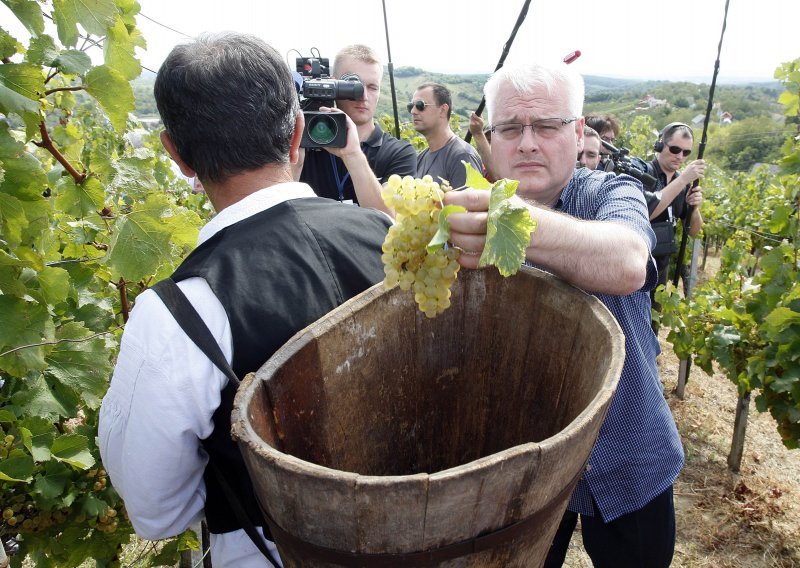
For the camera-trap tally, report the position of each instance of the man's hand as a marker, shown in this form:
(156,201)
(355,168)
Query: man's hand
(695,170)
(475,124)
(695,196)
(352,145)
(468,229)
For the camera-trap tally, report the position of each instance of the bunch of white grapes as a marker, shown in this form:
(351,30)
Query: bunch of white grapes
(407,263)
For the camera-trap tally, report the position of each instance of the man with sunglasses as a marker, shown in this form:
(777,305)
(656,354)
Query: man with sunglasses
(328,171)
(672,195)
(430,108)
(593,232)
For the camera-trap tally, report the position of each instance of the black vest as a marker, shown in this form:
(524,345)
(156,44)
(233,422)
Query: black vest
(275,273)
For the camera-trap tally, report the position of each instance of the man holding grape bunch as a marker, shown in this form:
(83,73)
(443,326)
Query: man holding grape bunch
(592,231)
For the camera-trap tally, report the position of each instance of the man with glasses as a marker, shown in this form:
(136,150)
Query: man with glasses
(330,172)
(593,232)
(672,195)
(430,109)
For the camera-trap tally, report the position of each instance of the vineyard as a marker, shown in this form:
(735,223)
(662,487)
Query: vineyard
(92,213)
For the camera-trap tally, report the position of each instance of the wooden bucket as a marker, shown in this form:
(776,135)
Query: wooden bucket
(378,437)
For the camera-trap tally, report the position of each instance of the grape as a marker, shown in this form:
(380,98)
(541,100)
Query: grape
(407,264)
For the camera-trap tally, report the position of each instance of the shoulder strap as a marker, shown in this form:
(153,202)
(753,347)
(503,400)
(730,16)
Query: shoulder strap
(196,329)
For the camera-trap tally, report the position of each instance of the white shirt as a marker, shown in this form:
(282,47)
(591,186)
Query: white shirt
(161,400)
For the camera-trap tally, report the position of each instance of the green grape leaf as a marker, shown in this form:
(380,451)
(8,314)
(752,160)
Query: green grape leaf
(53,482)
(8,45)
(118,49)
(475,179)
(133,177)
(40,399)
(7,417)
(12,219)
(80,200)
(29,13)
(17,467)
(42,50)
(73,449)
(443,233)
(184,225)
(23,323)
(81,364)
(54,284)
(20,85)
(94,15)
(73,62)
(508,230)
(113,92)
(91,506)
(23,175)
(40,436)
(141,241)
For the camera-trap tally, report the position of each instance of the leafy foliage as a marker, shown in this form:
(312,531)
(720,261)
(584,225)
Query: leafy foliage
(747,319)
(87,219)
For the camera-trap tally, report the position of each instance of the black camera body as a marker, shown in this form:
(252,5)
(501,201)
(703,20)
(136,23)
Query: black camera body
(620,163)
(324,129)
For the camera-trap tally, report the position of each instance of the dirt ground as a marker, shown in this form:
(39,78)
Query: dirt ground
(725,520)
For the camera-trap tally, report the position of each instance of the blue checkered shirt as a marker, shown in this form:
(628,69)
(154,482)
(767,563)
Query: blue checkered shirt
(638,453)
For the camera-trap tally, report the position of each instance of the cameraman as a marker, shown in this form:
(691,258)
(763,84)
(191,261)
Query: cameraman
(332,173)
(672,194)
(589,157)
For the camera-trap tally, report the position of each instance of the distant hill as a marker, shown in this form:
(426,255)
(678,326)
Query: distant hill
(603,94)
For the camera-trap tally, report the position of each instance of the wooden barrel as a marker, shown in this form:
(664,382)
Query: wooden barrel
(378,437)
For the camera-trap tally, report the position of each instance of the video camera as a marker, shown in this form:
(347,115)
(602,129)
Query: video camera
(324,128)
(620,163)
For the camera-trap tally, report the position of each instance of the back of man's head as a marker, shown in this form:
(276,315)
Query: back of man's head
(528,78)
(228,103)
(603,122)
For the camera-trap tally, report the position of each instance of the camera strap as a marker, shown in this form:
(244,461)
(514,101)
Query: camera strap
(340,181)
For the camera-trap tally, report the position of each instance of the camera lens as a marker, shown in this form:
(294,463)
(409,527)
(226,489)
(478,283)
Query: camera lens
(351,89)
(322,129)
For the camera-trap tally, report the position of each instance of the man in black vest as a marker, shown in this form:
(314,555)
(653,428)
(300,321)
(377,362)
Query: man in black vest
(274,259)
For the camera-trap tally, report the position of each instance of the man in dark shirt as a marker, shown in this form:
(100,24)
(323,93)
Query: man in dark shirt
(329,171)
(672,195)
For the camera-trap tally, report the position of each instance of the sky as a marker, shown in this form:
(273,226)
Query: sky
(668,40)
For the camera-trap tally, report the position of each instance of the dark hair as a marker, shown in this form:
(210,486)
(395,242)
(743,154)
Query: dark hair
(229,104)
(441,95)
(602,122)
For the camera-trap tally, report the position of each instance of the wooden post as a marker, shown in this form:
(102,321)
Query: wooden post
(739,430)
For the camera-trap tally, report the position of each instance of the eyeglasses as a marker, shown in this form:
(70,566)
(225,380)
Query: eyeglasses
(678,150)
(419,105)
(544,128)
(609,139)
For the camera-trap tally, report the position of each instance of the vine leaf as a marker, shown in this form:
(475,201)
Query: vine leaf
(73,62)
(80,200)
(95,16)
(508,229)
(73,449)
(23,323)
(21,85)
(79,365)
(113,92)
(53,284)
(29,13)
(38,436)
(141,240)
(42,51)
(52,483)
(118,49)
(443,232)
(17,467)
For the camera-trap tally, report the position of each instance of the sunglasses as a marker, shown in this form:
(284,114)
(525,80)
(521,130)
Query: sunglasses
(419,105)
(678,150)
